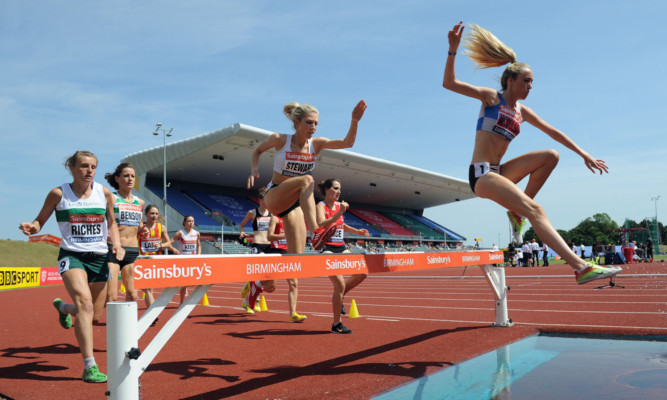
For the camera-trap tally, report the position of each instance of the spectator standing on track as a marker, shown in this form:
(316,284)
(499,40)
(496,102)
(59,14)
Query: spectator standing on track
(545,255)
(649,249)
(535,250)
(583,251)
(527,253)
(292,186)
(128,211)
(330,213)
(153,238)
(189,243)
(85,215)
(499,123)
(261,219)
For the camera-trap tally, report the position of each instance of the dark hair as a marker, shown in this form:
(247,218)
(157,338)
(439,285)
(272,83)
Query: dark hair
(186,218)
(261,193)
(149,207)
(70,162)
(324,185)
(111,177)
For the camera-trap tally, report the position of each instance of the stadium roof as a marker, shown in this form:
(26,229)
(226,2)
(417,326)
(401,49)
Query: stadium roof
(222,158)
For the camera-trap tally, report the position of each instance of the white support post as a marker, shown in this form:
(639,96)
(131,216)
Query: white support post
(495,276)
(123,380)
(123,332)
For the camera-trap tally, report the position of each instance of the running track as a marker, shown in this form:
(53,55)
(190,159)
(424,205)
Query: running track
(411,326)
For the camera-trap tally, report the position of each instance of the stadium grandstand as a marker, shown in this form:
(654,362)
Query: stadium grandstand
(207,176)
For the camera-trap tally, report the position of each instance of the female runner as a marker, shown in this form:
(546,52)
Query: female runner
(152,239)
(128,211)
(327,210)
(291,187)
(85,215)
(499,122)
(188,244)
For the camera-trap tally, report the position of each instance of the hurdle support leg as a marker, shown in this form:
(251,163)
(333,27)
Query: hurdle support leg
(125,361)
(495,276)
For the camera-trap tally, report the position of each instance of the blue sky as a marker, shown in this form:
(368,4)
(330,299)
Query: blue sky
(99,75)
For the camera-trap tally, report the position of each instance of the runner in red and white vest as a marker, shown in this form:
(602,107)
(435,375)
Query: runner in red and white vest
(329,214)
(188,243)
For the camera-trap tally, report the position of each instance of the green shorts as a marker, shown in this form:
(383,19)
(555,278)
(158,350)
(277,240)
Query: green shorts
(94,264)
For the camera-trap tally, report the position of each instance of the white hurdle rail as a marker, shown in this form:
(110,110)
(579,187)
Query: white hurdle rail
(126,362)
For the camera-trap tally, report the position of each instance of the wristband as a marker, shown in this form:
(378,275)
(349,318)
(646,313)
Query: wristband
(449,53)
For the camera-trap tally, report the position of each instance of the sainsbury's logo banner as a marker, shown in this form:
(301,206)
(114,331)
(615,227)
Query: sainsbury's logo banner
(165,271)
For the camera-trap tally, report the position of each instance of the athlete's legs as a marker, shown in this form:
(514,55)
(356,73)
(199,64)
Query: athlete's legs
(538,165)
(337,296)
(353,281)
(287,193)
(76,283)
(292,295)
(504,192)
(149,297)
(112,285)
(295,231)
(127,275)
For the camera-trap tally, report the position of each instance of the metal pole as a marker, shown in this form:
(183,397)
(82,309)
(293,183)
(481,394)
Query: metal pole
(164,178)
(222,238)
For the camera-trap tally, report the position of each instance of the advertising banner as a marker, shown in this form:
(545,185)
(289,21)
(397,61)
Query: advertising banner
(166,271)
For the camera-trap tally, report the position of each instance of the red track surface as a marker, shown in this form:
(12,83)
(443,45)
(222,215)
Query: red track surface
(411,326)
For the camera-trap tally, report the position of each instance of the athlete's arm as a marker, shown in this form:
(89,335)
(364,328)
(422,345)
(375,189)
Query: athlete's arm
(270,235)
(486,95)
(532,118)
(274,141)
(50,203)
(199,244)
(249,215)
(323,143)
(167,243)
(112,227)
(324,222)
(360,232)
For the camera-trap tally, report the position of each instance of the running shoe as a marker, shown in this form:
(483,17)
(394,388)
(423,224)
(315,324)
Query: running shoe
(258,308)
(340,328)
(322,235)
(247,308)
(518,225)
(592,272)
(297,318)
(245,290)
(253,294)
(64,318)
(93,375)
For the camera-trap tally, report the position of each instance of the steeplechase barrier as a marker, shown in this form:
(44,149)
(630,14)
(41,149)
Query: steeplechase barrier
(126,362)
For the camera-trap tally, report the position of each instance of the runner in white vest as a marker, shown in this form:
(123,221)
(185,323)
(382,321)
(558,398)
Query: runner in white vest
(84,211)
(188,243)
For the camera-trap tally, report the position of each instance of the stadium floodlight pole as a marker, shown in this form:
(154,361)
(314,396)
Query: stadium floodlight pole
(165,133)
(657,227)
